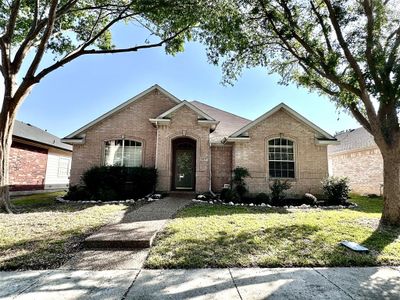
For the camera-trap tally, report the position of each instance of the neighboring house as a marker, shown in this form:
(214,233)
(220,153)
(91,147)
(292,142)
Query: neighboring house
(38,160)
(195,146)
(358,158)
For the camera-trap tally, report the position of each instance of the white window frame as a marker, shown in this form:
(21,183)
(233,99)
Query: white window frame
(123,150)
(293,146)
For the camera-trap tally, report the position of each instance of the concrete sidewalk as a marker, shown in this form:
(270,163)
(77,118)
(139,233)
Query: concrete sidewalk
(235,283)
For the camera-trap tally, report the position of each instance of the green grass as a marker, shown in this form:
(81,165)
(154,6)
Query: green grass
(224,236)
(43,234)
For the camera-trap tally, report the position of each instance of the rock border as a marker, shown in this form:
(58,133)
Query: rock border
(301,207)
(148,198)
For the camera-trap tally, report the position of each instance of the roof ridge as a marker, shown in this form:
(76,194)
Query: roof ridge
(227,112)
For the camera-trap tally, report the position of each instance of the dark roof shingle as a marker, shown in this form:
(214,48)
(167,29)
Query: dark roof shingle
(354,139)
(35,134)
(228,123)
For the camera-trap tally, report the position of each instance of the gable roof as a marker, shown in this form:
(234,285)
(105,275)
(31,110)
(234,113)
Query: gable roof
(229,123)
(324,135)
(35,134)
(354,139)
(197,110)
(121,106)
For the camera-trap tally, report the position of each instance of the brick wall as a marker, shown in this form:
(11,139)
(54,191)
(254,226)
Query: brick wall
(364,168)
(311,162)
(221,166)
(27,167)
(132,122)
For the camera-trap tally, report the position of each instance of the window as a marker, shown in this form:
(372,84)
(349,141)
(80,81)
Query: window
(281,158)
(125,153)
(63,167)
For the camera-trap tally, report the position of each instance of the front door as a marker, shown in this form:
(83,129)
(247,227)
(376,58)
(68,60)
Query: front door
(184,164)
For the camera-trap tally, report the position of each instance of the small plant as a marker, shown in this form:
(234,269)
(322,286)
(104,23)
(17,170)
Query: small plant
(309,199)
(336,189)
(278,189)
(261,198)
(238,182)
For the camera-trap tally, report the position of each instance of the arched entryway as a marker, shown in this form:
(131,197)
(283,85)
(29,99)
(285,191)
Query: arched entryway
(183,164)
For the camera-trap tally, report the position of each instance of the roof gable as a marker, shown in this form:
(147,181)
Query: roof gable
(291,112)
(120,107)
(194,108)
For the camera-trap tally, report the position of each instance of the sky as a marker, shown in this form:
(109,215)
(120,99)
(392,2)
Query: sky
(84,89)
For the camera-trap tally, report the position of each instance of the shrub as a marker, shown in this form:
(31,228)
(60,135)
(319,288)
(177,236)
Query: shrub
(309,199)
(115,183)
(278,189)
(229,195)
(336,189)
(262,198)
(76,192)
(239,185)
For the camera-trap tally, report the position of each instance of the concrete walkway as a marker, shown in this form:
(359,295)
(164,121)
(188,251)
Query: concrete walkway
(138,228)
(249,283)
(125,244)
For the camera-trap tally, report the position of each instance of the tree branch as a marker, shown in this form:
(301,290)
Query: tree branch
(43,42)
(11,22)
(356,68)
(369,44)
(81,51)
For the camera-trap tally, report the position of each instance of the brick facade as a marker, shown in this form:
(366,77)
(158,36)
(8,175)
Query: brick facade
(363,167)
(221,166)
(311,163)
(132,122)
(27,167)
(212,159)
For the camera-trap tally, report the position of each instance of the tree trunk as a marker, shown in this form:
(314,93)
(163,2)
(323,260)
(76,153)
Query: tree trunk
(7,118)
(391,189)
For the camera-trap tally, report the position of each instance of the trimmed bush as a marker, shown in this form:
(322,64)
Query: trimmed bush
(76,192)
(278,189)
(117,183)
(336,190)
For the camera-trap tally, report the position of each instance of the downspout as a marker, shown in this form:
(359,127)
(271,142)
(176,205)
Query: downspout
(209,168)
(156,162)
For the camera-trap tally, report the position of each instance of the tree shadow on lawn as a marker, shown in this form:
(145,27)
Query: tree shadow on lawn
(40,254)
(206,210)
(236,248)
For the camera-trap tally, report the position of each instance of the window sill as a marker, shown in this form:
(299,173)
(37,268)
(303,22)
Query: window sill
(281,178)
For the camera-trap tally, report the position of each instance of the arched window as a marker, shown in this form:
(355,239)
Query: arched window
(281,158)
(127,153)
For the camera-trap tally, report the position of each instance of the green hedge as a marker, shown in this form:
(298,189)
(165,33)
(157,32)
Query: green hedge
(109,183)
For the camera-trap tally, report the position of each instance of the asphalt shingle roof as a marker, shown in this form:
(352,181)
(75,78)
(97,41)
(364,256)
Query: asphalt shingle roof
(228,123)
(352,140)
(35,134)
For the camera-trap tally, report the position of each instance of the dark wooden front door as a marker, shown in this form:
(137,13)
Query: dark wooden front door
(184,162)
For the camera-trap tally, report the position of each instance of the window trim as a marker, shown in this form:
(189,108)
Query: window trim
(128,138)
(268,139)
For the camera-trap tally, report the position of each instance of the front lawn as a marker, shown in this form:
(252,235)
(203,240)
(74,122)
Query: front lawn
(225,236)
(43,234)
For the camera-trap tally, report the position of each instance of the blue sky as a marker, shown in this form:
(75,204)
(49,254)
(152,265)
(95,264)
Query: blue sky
(90,86)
